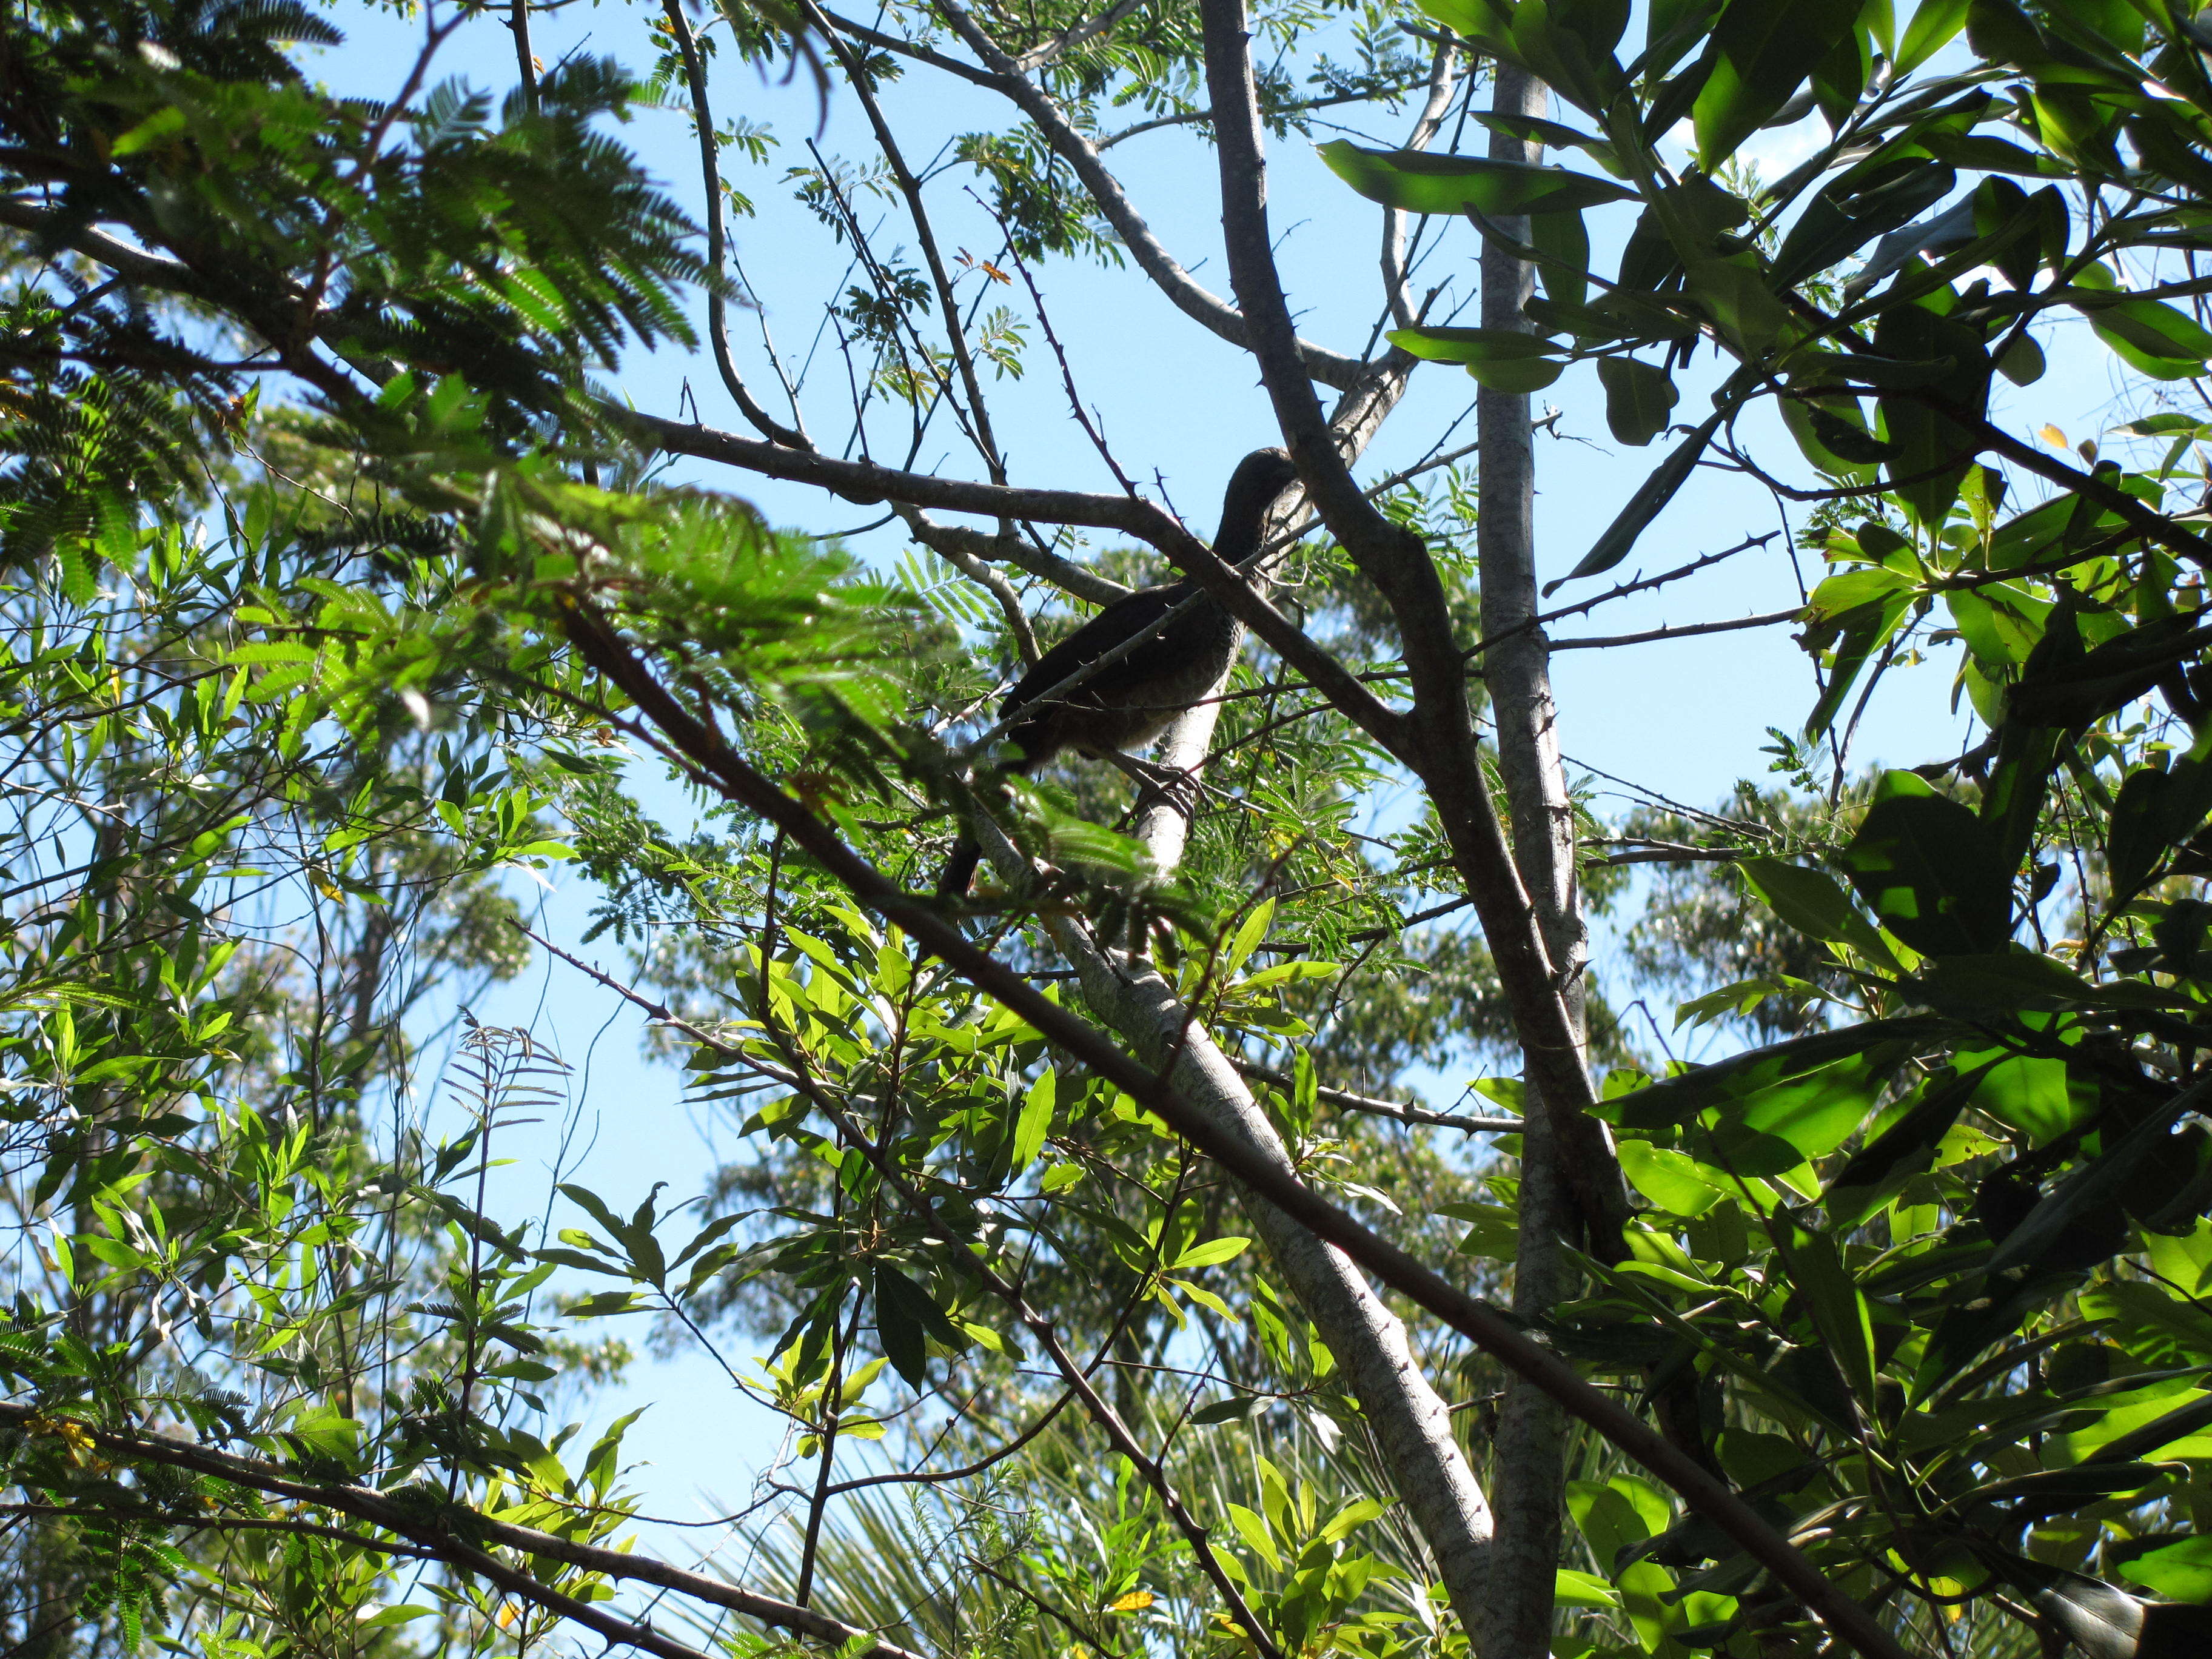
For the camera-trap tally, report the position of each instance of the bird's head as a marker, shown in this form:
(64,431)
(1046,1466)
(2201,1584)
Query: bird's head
(1260,478)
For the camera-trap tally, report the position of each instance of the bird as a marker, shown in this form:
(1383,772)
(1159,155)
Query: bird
(1132,699)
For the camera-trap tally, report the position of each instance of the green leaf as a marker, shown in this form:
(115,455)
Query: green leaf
(1930,870)
(384,1618)
(1673,1180)
(1933,451)
(1935,25)
(1741,300)
(1562,243)
(1815,904)
(1838,1308)
(1742,1077)
(1210,1253)
(1853,615)
(2178,1572)
(1638,398)
(1880,1169)
(1606,1516)
(1254,1531)
(1764,50)
(1815,1113)
(1418,181)
(1237,1408)
(1650,499)
(2093,1187)
(2029,1093)
(2152,337)
(1570,1589)
(1473,345)
(906,1319)
(1034,1123)
(1518,376)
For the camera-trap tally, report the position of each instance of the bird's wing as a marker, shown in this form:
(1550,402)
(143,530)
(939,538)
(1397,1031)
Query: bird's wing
(1126,616)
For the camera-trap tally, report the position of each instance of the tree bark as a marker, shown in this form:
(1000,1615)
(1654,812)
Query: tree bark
(1527,1475)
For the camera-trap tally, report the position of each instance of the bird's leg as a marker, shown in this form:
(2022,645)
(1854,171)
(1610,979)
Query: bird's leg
(1172,784)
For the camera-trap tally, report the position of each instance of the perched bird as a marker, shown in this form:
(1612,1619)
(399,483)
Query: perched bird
(1131,701)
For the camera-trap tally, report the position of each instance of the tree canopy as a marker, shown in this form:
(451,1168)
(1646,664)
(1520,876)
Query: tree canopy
(1127,1282)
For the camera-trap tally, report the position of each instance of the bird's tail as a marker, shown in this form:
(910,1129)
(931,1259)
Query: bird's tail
(960,869)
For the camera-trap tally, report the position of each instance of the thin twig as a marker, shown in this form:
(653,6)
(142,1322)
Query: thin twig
(1399,1110)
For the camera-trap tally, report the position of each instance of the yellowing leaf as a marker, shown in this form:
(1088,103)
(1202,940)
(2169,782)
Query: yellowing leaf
(1135,1602)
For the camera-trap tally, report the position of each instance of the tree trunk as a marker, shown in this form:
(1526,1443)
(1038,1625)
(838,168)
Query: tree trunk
(1526,1477)
(1411,1422)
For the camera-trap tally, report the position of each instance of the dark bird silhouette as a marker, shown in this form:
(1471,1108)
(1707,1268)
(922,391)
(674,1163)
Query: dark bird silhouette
(1131,701)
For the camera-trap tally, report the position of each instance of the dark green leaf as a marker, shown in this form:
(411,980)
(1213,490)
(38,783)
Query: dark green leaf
(1638,398)
(1880,1169)
(1420,182)
(1472,346)
(1764,50)
(2095,1186)
(1930,870)
(1649,500)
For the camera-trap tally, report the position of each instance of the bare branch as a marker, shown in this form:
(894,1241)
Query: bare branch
(1190,117)
(1442,79)
(1682,631)
(1000,590)
(1068,38)
(864,481)
(1443,749)
(1404,1112)
(1208,309)
(710,172)
(1008,547)
(956,334)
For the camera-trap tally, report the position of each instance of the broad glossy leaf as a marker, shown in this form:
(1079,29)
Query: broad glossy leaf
(1555,135)
(1570,1589)
(1856,208)
(2095,1186)
(1880,1169)
(1855,615)
(1473,345)
(2029,1093)
(1933,451)
(1930,870)
(1764,50)
(1675,1100)
(1935,25)
(1817,1113)
(1420,182)
(1639,397)
(2178,1572)
(2152,337)
(906,1319)
(1673,1180)
(2075,692)
(1562,241)
(1815,904)
(1838,1308)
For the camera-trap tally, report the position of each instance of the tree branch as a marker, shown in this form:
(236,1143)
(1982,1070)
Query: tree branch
(710,173)
(437,1536)
(1443,749)
(1195,301)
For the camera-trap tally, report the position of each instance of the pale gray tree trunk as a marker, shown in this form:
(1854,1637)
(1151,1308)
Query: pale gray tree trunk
(1527,1474)
(1410,1423)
